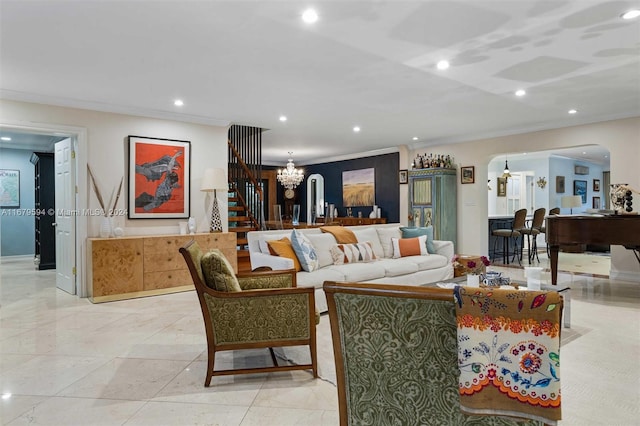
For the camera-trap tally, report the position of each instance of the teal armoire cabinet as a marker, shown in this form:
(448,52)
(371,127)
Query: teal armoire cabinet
(432,201)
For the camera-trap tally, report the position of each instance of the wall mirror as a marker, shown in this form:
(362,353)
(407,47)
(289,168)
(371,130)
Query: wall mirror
(315,197)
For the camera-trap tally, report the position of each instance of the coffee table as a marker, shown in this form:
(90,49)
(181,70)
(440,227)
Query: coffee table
(564,291)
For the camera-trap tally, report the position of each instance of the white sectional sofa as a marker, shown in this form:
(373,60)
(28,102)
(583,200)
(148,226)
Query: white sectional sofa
(411,270)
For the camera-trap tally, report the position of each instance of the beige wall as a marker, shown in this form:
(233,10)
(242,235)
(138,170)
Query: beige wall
(104,138)
(621,137)
(107,154)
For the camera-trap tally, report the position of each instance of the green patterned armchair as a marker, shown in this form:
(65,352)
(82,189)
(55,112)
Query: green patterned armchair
(396,356)
(251,310)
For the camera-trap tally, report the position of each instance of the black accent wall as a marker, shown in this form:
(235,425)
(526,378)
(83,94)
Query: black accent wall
(387,185)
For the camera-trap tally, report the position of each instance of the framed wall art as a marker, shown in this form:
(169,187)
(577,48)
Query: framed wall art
(560,184)
(580,188)
(159,178)
(403,176)
(9,189)
(502,187)
(596,185)
(467,174)
(596,202)
(359,188)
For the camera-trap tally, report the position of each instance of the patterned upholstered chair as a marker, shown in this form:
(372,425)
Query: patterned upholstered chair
(251,310)
(396,356)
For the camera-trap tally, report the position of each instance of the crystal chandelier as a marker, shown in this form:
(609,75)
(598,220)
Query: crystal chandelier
(290,177)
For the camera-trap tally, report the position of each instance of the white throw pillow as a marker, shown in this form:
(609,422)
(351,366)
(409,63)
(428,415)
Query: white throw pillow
(416,246)
(370,235)
(322,244)
(385,235)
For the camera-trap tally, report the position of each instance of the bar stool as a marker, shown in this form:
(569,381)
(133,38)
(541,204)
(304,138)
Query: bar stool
(507,234)
(533,231)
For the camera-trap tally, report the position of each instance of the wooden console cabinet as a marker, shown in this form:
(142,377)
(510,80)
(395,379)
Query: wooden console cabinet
(129,267)
(351,221)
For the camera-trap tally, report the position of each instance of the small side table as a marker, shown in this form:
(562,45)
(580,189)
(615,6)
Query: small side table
(462,268)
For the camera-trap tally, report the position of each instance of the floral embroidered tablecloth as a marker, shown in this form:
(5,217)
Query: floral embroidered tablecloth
(509,352)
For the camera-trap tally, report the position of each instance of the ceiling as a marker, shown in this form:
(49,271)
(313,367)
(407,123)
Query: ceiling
(364,63)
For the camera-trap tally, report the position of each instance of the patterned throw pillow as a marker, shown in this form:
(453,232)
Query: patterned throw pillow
(411,232)
(283,248)
(409,246)
(352,253)
(304,251)
(218,272)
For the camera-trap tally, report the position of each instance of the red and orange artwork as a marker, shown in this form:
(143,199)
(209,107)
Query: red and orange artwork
(159,177)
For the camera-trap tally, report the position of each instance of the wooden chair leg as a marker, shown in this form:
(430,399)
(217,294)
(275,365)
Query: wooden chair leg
(211,359)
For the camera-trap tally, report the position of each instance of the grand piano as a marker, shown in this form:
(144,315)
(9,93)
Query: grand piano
(621,230)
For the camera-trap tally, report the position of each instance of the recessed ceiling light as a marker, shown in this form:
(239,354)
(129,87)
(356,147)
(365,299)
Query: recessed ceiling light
(584,152)
(309,16)
(6,395)
(573,111)
(356,129)
(415,138)
(5,138)
(178,102)
(442,65)
(606,156)
(283,118)
(520,92)
(631,14)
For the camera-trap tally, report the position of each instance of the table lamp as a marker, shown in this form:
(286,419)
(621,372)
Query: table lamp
(214,179)
(571,201)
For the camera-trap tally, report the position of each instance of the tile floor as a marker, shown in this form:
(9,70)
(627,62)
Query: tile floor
(65,361)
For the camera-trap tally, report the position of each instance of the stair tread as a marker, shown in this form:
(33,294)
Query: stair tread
(242,229)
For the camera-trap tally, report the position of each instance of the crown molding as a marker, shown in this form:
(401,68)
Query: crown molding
(13,95)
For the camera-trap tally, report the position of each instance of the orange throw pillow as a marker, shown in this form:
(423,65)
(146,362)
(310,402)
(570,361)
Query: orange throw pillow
(341,234)
(283,248)
(409,246)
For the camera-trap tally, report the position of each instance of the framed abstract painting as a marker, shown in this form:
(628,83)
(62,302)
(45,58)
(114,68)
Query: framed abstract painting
(159,178)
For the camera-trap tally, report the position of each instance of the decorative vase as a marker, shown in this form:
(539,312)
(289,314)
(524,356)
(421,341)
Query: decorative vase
(192,225)
(105,227)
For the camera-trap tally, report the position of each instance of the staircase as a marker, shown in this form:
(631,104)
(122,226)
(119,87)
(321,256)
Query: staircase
(240,221)
(245,187)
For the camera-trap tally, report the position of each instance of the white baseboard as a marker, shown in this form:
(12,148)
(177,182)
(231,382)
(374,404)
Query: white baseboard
(625,276)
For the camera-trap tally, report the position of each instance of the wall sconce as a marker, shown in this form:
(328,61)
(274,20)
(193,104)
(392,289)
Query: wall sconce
(489,184)
(542,182)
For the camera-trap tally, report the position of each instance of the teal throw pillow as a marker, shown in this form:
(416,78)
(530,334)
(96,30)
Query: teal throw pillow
(305,252)
(413,232)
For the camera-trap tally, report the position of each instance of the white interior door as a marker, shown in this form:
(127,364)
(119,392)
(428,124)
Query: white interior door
(65,223)
(513,193)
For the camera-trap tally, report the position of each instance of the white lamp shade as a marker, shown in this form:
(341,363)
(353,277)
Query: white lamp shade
(214,179)
(571,201)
